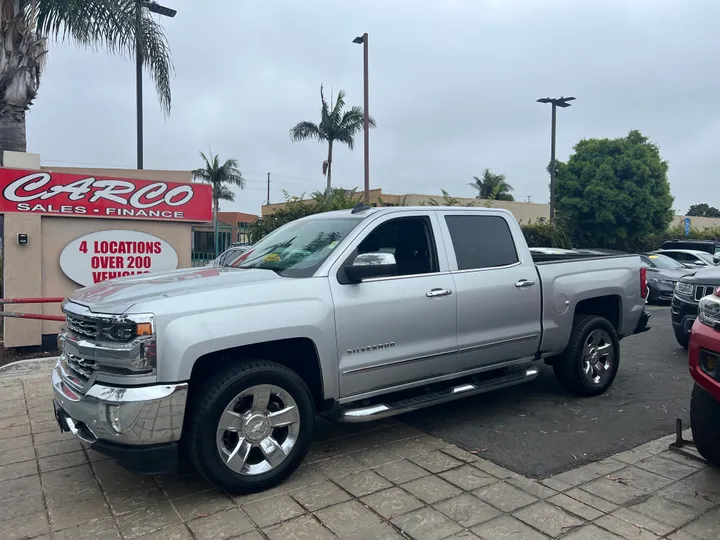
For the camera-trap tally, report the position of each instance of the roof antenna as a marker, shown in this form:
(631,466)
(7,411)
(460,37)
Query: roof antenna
(360,207)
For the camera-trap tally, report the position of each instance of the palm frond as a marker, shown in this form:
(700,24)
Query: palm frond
(114,25)
(305,130)
(223,193)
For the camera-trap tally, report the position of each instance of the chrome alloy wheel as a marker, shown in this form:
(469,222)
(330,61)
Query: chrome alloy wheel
(598,357)
(258,430)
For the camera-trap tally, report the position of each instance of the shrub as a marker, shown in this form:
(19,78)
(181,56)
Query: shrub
(545,234)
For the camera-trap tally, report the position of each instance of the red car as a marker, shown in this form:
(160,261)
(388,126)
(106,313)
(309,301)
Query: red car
(704,357)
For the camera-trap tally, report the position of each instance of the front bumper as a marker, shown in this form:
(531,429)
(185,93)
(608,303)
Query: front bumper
(683,313)
(132,424)
(661,291)
(704,339)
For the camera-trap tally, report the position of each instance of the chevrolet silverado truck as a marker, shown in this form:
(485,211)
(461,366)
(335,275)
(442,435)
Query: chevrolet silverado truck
(356,314)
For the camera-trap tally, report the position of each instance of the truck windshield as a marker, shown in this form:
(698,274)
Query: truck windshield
(296,249)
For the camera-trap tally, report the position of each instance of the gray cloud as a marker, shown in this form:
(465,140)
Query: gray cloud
(453,89)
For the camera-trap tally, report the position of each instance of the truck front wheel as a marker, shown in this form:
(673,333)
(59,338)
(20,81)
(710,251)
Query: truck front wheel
(705,424)
(590,362)
(250,426)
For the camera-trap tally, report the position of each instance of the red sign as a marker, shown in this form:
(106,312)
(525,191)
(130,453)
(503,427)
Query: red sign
(73,195)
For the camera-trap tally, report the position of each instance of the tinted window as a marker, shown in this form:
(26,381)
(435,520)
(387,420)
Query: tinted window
(481,241)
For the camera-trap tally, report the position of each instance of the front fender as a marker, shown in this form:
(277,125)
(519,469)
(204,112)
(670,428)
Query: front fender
(187,338)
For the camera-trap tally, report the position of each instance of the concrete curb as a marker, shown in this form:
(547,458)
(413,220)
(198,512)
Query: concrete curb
(27,367)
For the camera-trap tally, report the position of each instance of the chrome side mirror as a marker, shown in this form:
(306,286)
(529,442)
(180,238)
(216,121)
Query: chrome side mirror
(370,265)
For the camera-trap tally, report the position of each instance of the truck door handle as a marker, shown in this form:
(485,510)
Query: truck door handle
(438,292)
(524,283)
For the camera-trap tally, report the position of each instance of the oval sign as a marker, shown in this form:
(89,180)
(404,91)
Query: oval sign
(105,255)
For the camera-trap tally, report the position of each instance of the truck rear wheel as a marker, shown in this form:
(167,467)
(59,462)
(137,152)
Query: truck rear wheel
(681,337)
(705,424)
(250,426)
(590,362)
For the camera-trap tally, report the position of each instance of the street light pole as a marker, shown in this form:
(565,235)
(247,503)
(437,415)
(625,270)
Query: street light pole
(366,110)
(555,102)
(165,12)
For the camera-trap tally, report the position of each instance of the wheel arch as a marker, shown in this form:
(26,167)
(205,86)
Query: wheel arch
(298,354)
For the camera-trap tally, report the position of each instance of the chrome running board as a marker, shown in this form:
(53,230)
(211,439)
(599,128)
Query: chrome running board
(349,414)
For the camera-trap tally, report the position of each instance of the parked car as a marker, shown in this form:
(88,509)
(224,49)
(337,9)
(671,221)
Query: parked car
(688,291)
(689,257)
(704,358)
(663,274)
(358,315)
(228,255)
(709,246)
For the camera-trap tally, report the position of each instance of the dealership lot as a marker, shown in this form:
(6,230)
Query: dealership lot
(537,430)
(390,480)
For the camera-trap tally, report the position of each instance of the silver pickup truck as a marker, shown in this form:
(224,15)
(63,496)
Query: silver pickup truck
(356,314)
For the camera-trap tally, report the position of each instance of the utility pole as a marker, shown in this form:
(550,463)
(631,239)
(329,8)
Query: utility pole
(268,189)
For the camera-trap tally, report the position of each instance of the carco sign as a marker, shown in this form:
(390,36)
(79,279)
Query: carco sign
(105,255)
(62,194)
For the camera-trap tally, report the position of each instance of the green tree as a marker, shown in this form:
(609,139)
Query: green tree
(118,26)
(336,126)
(614,193)
(220,177)
(492,186)
(703,210)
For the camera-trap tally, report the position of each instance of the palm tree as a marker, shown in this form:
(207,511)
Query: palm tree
(219,177)
(492,186)
(336,125)
(118,26)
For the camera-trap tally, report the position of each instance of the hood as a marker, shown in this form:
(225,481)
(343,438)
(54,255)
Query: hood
(668,273)
(707,276)
(119,295)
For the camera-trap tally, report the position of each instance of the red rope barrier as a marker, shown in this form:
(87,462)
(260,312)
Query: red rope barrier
(32,316)
(47,300)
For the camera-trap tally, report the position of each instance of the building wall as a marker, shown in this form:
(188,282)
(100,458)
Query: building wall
(34,270)
(58,232)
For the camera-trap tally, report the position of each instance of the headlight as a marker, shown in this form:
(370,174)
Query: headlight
(709,310)
(684,288)
(668,282)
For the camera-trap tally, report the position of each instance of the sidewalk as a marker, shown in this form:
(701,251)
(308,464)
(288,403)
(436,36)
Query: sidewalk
(380,481)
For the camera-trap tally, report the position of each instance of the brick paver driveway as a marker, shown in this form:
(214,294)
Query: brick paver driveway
(379,482)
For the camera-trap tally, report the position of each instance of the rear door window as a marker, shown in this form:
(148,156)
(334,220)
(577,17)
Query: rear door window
(481,241)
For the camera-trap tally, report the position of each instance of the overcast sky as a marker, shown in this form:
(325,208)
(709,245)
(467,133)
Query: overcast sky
(453,85)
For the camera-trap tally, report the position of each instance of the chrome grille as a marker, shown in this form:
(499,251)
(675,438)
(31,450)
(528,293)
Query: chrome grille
(80,367)
(704,290)
(82,327)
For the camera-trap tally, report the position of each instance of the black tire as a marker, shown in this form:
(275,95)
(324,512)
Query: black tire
(568,366)
(681,337)
(705,424)
(208,405)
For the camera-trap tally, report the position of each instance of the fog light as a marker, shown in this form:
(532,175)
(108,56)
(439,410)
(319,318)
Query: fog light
(113,416)
(708,363)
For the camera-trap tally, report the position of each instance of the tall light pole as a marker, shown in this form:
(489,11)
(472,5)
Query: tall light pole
(165,12)
(556,102)
(366,110)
